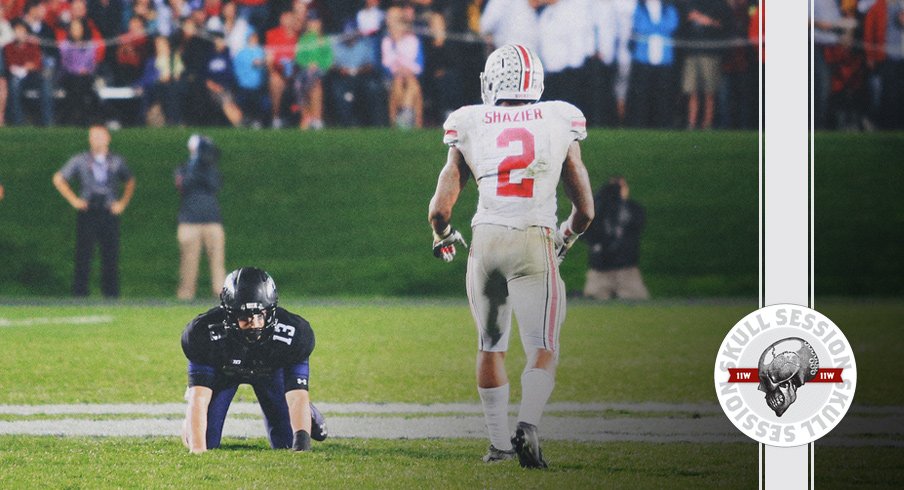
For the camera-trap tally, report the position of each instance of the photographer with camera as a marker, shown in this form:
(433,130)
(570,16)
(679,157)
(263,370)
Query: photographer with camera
(200,223)
(100,174)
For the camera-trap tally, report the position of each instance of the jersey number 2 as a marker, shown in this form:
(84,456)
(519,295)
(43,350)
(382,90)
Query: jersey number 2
(504,186)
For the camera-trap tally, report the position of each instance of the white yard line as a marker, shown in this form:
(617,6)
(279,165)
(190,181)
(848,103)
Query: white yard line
(63,320)
(882,426)
(346,408)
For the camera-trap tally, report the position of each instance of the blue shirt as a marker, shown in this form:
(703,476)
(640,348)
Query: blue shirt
(247,74)
(644,29)
(219,69)
(355,56)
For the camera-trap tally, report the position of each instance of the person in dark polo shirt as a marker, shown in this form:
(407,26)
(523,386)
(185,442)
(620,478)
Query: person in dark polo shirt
(100,175)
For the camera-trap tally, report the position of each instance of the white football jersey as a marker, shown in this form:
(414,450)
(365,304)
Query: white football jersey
(516,154)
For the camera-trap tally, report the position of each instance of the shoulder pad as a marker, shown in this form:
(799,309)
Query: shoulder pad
(573,117)
(456,125)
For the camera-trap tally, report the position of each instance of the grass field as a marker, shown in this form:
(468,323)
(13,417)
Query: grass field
(340,215)
(304,205)
(418,352)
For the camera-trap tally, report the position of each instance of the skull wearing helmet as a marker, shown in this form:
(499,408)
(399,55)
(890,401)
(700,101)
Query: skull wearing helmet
(784,367)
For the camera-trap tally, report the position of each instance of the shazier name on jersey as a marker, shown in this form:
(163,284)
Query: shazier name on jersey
(515,154)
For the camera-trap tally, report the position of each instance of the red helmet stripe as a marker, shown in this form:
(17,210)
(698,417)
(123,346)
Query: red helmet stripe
(525,66)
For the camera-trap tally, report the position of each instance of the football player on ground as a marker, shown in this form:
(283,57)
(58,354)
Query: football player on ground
(516,149)
(249,339)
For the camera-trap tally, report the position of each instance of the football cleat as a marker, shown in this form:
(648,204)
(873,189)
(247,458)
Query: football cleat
(494,455)
(527,445)
(318,425)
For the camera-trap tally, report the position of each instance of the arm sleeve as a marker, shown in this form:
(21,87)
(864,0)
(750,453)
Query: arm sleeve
(296,376)
(201,374)
(69,169)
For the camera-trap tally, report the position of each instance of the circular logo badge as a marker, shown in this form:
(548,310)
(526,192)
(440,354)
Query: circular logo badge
(785,375)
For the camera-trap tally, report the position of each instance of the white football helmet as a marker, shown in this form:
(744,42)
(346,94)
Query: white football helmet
(512,72)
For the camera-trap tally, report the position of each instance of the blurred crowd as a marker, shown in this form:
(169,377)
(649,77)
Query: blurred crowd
(408,63)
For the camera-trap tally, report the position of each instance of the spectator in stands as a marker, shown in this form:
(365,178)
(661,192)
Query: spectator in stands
(357,94)
(78,11)
(220,81)
(50,55)
(55,11)
(510,22)
(196,52)
(200,223)
(884,38)
(313,57)
(132,51)
(171,15)
(107,15)
(280,46)
(566,43)
(235,28)
(213,8)
(200,18)
(370,18)
(706,22)
(144,10)
(255,12)
(442,70)
(6,36)
(78,62)
(100,175)
(614,241)
(625,13)
(602,67)
(737,90)
(651,91)
(403,58)
(849,96)
(163,85)
(826,19)
(23,68)
(250,70)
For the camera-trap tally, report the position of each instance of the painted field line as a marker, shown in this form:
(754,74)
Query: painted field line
(62,320)
(867,431)
(346,408)
(151,409)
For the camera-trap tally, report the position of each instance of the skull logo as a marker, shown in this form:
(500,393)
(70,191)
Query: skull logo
(784,367)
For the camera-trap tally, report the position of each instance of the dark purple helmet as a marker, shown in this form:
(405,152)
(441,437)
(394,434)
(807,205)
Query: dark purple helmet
(247,292)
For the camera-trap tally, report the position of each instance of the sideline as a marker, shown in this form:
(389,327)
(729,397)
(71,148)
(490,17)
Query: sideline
(63,320)
(642,422)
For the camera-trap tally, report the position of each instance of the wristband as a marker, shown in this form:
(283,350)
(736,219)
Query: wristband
(442,236)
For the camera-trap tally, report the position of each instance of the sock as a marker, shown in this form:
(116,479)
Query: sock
(495,411)
(536,387)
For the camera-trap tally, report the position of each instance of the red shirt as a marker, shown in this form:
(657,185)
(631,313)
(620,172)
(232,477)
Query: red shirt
(280,43)
(18,54)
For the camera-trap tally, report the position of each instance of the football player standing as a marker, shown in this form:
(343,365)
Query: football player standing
(516,149)
(249,339)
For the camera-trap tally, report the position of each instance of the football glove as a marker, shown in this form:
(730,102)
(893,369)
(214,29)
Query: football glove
(444,243)
(565,238)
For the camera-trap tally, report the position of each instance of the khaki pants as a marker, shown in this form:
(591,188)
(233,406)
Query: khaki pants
(620,283)
(191,237)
